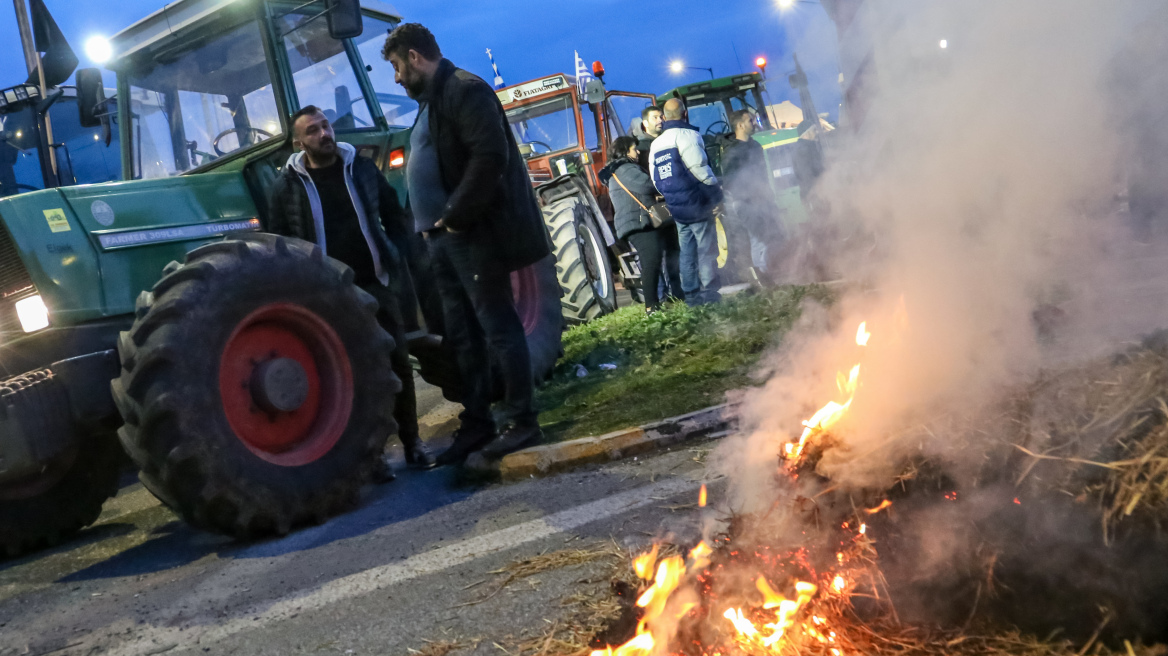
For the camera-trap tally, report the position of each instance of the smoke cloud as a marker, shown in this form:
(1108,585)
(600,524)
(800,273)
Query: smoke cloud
(985,197)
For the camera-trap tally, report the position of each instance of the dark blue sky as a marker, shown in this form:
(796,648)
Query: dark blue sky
(532,38)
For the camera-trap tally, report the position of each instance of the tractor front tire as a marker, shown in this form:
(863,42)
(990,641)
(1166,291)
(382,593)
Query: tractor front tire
(68,493)
(581,261)
(256,386)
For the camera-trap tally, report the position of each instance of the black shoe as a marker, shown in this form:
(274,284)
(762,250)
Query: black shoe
(513,439)
(417,455)
(383,471)
(465,443)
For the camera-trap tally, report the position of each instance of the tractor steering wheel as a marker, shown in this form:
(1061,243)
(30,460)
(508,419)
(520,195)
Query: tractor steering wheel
(710,130)
(549,148)
(240,132)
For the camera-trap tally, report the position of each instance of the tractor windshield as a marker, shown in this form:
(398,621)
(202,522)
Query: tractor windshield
(399,109)
(546,126)
(200,103)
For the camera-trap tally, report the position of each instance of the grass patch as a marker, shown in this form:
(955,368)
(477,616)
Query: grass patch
(676,361)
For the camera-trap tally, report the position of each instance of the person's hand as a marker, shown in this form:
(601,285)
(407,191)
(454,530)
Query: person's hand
(442,224)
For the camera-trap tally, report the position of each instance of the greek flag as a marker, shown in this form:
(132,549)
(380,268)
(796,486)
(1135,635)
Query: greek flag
(583,74)
(498,78)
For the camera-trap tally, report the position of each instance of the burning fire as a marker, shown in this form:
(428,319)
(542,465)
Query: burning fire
(828,415)
(783,619)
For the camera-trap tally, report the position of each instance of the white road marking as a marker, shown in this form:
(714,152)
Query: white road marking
(150,640)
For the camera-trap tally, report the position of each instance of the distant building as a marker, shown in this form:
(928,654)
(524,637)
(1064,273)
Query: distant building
(784,115)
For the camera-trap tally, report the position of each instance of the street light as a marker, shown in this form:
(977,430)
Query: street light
(787,4)
(944,43)
(98,49)
(677,66)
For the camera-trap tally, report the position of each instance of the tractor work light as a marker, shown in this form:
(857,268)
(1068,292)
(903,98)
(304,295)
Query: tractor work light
(397,158)
(32,313)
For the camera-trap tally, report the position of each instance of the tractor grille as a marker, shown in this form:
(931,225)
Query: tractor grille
(15,283)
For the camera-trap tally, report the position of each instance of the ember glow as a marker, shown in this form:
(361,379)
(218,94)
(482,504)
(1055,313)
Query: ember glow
(883,504)
(702,497)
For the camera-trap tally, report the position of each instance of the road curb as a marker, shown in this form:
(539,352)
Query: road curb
(549,459)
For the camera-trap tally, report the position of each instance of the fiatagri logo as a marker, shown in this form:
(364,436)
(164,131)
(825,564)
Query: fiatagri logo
(531,89)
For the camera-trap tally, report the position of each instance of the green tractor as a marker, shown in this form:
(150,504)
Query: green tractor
(792,151)
(144,311)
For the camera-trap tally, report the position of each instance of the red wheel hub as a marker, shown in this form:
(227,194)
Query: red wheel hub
(525,289)
(286,384)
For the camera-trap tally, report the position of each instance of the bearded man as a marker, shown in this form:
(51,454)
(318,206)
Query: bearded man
(472,201)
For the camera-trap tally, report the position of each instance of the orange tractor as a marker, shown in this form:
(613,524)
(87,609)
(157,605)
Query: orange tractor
(565,134)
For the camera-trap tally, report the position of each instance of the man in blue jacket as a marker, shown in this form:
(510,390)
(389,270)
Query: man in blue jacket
(677,162)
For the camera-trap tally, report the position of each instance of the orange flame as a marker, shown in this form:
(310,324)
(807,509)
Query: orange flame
(643,564)
(828,415)
(769,634)
(702,497)
(883,504)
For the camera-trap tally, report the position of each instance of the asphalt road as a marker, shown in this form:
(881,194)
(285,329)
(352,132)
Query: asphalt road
(386,578)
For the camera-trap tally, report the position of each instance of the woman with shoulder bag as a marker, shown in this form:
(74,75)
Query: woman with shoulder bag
(634,202)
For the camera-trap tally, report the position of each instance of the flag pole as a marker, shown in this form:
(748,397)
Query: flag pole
(32,59)
(48,121)
(23,26)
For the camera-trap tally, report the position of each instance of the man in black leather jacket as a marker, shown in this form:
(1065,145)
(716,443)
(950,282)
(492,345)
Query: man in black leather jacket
(472,199)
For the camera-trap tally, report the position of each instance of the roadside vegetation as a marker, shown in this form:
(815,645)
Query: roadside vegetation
(626,369)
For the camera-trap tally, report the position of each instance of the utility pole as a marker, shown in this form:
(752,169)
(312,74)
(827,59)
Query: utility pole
(22,24)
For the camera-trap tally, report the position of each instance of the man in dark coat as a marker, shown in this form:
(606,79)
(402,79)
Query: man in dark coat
(331,197)
(472,199)
(746,177)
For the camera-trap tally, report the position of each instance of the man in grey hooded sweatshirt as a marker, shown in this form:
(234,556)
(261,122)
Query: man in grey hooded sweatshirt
(331,197)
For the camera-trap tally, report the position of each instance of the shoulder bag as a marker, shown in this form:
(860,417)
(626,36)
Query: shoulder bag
(659,214)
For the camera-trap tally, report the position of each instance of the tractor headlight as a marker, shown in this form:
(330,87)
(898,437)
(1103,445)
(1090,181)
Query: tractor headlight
(32,313)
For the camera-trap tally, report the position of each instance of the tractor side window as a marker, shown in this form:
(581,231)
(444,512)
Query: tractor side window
(20,164)
(628,111)
(588,116)
(194,106)
(322,70)
(399,109)
(82,156)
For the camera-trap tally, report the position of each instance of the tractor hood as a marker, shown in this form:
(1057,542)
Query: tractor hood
(89,250)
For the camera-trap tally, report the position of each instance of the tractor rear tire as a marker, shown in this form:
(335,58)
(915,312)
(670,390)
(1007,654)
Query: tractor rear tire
(581,261)
(68,493)
(256,386)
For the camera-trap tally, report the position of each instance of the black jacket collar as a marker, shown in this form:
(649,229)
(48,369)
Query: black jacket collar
(446,69)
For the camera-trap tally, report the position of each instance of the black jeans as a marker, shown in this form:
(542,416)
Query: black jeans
(654,246)
(389,315)
(482,325)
